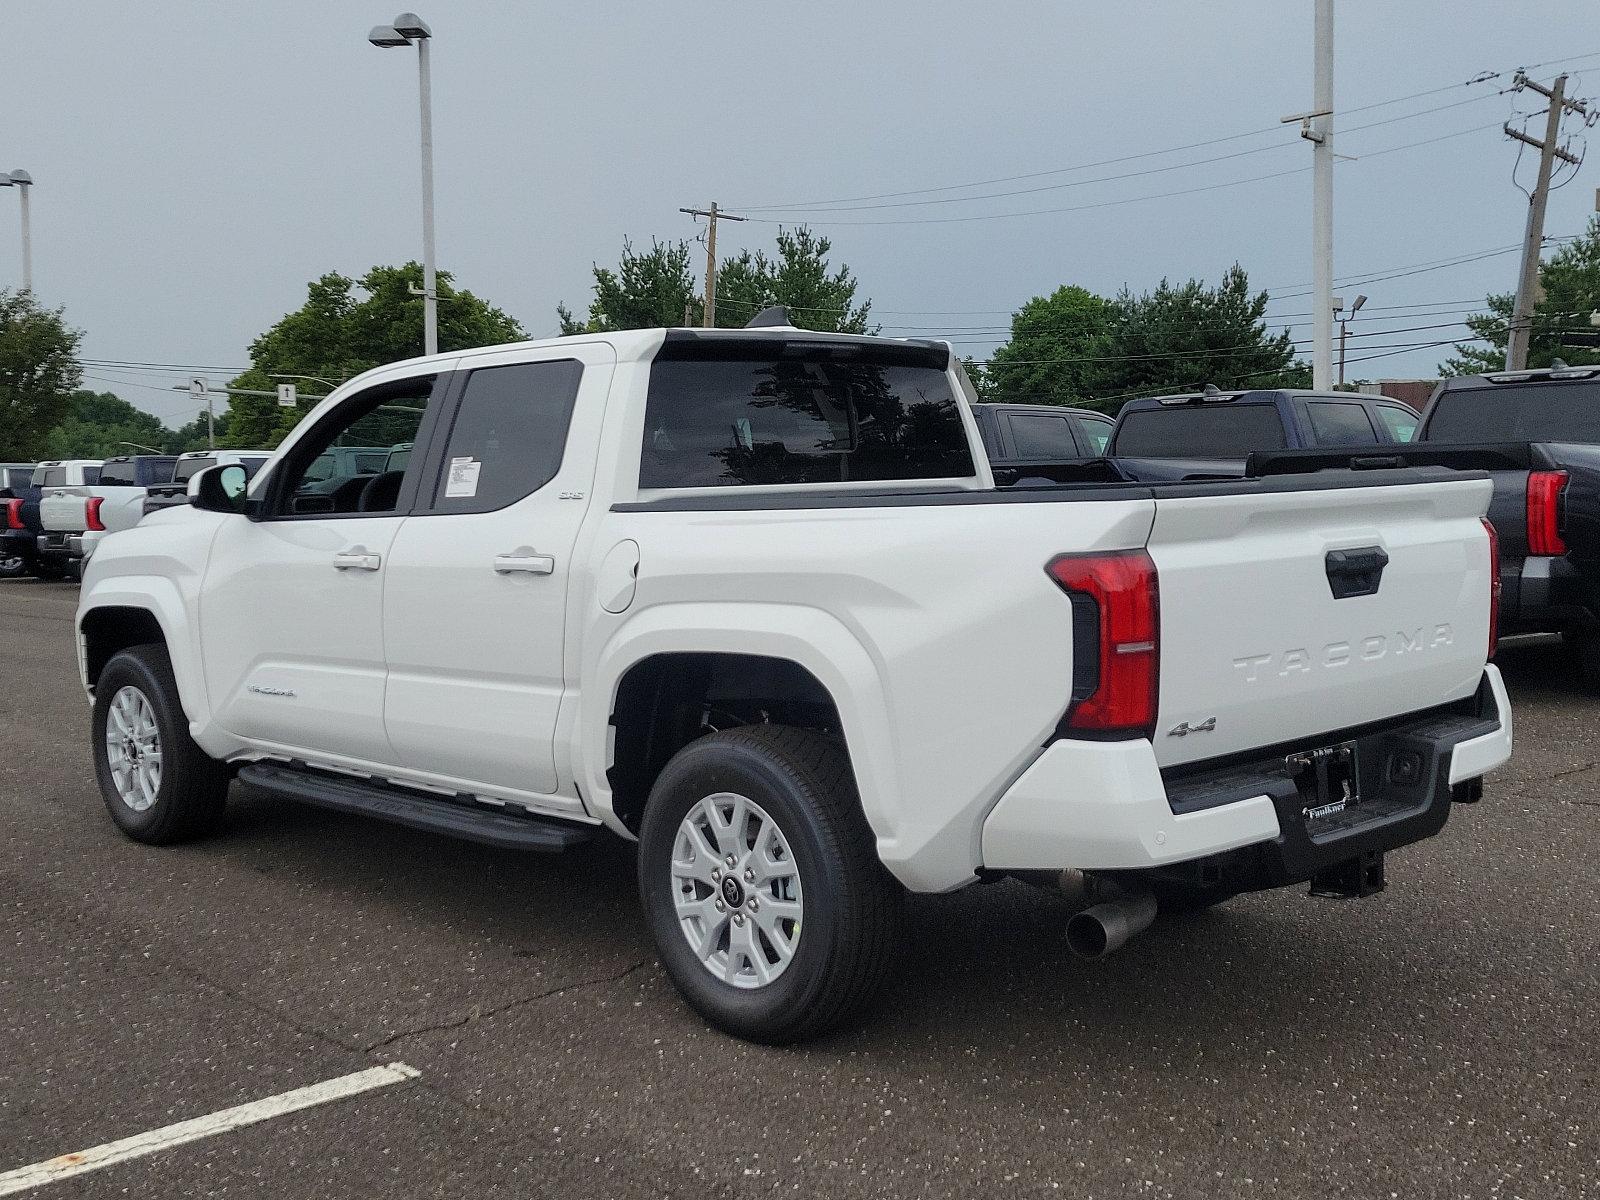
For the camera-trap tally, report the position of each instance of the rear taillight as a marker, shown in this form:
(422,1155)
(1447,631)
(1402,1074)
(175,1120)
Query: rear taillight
(91,514)
(14,514)
(1544,512)
(1494,585)
(1119,596)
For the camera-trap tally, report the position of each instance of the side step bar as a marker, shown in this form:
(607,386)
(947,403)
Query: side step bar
(462,817)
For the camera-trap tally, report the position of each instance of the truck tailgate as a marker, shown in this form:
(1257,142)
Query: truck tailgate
(1271,630)
(63,510)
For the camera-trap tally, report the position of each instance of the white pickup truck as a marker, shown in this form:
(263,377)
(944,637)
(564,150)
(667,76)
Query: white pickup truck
(75,517)
(752,598)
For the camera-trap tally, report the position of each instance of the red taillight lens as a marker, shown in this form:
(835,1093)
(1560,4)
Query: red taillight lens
(1494,585)
(1122,695)
(14,514)
(91,513)
(1544,512)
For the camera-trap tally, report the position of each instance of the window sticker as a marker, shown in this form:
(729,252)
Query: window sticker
(463,481)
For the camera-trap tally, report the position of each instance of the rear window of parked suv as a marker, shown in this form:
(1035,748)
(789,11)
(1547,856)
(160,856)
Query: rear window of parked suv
(1509,412)
(1199,431)
(736,412)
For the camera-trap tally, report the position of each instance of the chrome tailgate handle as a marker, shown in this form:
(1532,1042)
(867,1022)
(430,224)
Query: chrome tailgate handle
(357,560)
(529,564)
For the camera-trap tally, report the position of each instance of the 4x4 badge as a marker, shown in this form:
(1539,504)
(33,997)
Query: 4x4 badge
(1183,728)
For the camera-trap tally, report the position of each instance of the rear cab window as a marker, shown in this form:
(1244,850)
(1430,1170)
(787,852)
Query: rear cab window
(1517,412)
(1215,430)
(767,413)
(51,477)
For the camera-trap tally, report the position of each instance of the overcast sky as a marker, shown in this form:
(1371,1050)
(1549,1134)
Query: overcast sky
(198,163)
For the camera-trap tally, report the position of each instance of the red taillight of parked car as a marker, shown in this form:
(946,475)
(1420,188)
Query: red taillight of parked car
(14,514)
(1494,585)
(1119,595)
(1544,512)
(91,513)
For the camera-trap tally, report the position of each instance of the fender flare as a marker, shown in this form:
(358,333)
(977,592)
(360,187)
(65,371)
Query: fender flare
(809,637)
(161,598)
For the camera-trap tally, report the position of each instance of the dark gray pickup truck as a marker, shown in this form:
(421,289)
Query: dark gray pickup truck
(1546,505)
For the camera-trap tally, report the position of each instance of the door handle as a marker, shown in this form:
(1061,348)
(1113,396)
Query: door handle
(530,564)
(358,560)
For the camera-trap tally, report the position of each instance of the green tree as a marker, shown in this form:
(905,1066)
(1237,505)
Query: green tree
(39,371)
(648,290)
(103,424)
(658,287)
(1057,352)
(339,333)
(1074,347)
(1569,282)
(799,277)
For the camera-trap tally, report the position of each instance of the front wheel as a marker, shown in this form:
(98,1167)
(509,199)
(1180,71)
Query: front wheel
(157,784)
(762,886)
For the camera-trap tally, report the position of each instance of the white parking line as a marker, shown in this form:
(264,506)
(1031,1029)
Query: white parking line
(22,1178)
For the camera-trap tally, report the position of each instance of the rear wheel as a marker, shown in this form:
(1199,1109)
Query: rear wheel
(50,568)
(1585,644)
(761,884)
(158,786)
(12,566)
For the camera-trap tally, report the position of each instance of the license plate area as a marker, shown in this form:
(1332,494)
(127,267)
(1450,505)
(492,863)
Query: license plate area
(1329,779)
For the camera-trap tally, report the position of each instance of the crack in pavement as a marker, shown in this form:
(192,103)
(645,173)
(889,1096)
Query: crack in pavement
(485,1014)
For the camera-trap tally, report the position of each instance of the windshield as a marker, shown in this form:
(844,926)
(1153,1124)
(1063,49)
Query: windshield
(1199,431)
(1512,412)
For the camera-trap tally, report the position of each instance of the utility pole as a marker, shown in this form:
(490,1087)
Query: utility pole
(1521,328)
(1320,133)
(713,214)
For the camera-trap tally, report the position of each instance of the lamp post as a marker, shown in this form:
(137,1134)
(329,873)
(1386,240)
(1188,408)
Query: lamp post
(409,29)
(1344,328)
(24,182)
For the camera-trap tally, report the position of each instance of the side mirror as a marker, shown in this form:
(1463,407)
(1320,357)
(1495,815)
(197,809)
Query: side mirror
(220,489)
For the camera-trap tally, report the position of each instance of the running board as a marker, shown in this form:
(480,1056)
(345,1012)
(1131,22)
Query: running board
(460,817)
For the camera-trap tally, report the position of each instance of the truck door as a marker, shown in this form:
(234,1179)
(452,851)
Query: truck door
(476,599)
(292,619)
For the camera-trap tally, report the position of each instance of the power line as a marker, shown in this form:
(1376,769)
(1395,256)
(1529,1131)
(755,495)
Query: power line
(1484,77)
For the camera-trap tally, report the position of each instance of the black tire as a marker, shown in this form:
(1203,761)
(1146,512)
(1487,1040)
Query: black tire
(193,786)
(1585,645)
(853,908)
(13,567)
(49,569)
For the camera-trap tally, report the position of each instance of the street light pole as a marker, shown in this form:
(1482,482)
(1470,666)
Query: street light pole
(408,28)
(22,181)
(1344,328)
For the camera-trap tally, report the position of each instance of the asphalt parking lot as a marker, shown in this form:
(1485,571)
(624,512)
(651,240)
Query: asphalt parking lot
(1437,1040)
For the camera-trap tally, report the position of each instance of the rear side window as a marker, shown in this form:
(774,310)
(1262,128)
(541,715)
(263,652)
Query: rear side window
(1199,431)
(1338,424)
(1400,422)
(1040,435)
(1095,435)
(768,414)
(251,466)
(509,435)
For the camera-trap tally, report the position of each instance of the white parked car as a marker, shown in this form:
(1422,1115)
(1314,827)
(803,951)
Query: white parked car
(752,598)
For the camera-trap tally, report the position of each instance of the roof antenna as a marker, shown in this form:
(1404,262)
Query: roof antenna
(767,318)
(1557,365)
(1211,391)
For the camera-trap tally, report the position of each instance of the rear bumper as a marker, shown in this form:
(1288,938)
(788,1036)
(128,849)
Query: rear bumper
(1542,595)
(1105,806)
(68,545)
